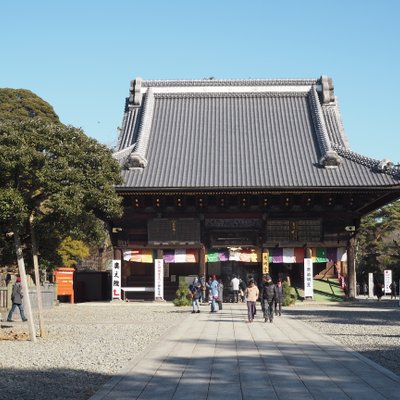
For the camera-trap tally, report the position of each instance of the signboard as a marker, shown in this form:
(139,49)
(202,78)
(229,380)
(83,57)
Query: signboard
(65,282)
(265,262)
(166,270)
(387,273)
(158,279)
(308,278)
(168,230)
(116,280)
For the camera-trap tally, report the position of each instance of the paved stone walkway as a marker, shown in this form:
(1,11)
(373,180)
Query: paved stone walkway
(221,356)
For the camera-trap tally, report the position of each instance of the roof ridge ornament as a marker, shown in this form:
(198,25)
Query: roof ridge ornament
(329,158)
(327,93)
(384,166)
(229,82)
(135,97)
(137,159)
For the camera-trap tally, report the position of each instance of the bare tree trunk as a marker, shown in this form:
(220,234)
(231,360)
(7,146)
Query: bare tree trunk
(351,269)
(27,300)
(42,330)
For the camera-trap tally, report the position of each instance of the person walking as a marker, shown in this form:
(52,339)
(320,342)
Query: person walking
(365,289)
(378,290)
(220,293)
(195,289)
(203,289)
(251,294)
(16,298)
(213,292)
(278,297)
(393,288)
(235,288)
(242,288)
(268,294)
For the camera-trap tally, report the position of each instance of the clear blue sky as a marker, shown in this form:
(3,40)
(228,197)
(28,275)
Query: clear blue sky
(80,55)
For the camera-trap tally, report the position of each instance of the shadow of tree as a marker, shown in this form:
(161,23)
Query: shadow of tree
(355,314)
(49,384)
(278,370)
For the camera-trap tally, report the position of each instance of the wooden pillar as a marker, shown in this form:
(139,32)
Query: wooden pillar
(202,262)
(351,269)
(117,253)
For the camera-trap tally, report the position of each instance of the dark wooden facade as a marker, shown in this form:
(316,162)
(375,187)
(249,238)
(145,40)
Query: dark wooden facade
(257,220)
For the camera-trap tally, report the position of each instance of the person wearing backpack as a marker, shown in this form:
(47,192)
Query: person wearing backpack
(195,290)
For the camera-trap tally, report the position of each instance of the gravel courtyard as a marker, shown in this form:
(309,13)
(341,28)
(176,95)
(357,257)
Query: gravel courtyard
(88,343)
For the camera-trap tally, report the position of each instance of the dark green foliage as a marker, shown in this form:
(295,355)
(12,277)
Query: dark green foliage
(181,295)
(289,294)
(60,178)
(13,209)
(378,242)
(18,104)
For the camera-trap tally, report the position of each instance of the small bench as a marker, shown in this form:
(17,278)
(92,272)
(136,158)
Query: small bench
(135,289)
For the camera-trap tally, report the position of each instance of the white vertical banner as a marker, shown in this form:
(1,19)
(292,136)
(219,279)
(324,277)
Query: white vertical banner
(158,279)
(370,284)
(387,274)
(308,278)
(116,280)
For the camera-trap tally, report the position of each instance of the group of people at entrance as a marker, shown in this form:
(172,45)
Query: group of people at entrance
(200,290)
(269,294)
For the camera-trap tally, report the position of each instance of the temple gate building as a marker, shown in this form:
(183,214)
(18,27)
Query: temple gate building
(240,177)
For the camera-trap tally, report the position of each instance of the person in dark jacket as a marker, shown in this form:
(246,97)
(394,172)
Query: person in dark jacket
(16,298)
(268,295)
(242,289)
(278,298)
(378,290)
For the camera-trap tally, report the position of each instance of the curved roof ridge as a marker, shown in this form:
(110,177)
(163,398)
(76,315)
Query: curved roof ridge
(137,159)
(337,112)
(384,165)
(329,157)
(229,82)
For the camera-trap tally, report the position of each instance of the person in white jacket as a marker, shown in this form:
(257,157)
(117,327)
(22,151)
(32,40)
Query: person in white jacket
(235,288)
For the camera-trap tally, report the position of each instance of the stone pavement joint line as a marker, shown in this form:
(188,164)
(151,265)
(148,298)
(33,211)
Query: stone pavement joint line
(211,356)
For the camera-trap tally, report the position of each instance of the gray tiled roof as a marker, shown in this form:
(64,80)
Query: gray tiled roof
(259,134)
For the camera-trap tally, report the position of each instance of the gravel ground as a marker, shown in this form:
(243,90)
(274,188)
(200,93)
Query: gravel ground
(88,343)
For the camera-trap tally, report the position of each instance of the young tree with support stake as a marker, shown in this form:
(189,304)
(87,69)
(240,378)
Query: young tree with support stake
(52,171)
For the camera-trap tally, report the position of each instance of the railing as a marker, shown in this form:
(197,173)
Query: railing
(4,298)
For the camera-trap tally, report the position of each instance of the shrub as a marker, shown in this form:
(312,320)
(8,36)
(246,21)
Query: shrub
(289,294)
(181,295)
